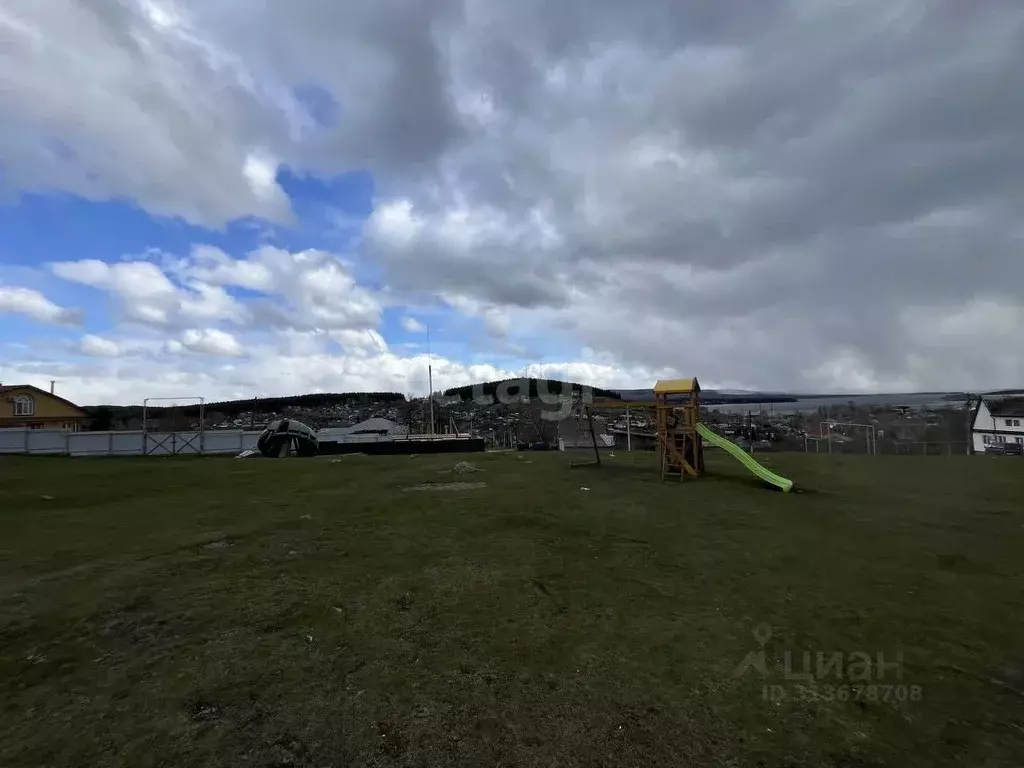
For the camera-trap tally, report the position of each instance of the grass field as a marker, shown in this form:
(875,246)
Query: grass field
(213,612)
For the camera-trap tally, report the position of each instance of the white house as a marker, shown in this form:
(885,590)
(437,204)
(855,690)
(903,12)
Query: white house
(998,422)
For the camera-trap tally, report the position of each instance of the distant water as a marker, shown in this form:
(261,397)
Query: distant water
(811,404)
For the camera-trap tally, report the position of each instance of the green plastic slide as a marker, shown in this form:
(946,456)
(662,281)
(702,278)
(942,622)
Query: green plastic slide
(744,458)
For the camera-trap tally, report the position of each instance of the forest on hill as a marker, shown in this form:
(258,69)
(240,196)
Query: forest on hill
(105,415)
(531,388)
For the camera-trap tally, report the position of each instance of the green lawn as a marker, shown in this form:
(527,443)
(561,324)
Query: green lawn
(182,612)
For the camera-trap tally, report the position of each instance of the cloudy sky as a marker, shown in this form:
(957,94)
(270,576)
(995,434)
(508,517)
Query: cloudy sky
(231,198)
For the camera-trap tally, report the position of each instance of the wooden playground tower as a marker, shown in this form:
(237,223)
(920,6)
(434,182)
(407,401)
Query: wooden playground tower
(681,434)
(679,443)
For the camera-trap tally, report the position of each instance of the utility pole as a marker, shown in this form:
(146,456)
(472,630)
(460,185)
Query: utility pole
(629,427)
(430,382)
(968,432)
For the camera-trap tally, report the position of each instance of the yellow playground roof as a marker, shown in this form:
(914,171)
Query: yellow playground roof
(676,386)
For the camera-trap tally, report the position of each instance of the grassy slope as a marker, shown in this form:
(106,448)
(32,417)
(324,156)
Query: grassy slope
(183,612)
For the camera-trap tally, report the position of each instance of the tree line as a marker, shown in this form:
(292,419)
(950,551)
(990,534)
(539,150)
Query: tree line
(105,416)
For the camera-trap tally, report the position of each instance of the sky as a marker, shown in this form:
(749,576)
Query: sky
(227,198)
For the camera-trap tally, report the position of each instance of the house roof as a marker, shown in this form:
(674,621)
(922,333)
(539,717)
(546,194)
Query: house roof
(375,424)
(1007,406)
(676,386)
(11,387)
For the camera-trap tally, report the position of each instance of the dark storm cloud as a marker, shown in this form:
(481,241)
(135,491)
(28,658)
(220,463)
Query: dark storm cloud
(870,151)
(384,63)
(820,194)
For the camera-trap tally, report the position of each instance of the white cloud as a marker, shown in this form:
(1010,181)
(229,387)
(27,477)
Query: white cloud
(495,318)
(33,304)
(154,346)
(214,266)
(210,303)
(217,365)
(87,272)
(477,251)
(97,346)
(260,170)
(363,343)
(211,341)
(146,293)
(134,100)
(412,325)
(319,289)
(394,224)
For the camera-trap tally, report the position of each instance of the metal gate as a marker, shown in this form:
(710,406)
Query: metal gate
(173,441)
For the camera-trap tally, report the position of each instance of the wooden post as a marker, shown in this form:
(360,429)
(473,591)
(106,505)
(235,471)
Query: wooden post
(969,431)
(593,436)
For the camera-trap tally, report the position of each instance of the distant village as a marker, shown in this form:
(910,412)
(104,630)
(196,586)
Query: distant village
(949,425)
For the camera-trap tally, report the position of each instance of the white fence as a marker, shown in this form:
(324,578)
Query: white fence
(137,443)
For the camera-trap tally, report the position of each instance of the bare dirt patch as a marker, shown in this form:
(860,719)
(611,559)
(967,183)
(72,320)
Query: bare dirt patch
(446,487)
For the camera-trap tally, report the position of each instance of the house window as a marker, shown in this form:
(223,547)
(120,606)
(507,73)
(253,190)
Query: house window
(1009,422)
(1019,439)
(1000,438)
(1016,422)
(986,439)
(24,405)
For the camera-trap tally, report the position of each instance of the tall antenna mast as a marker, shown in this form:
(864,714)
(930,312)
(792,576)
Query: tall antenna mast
(430,382)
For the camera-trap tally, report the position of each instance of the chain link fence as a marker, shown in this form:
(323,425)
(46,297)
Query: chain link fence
(847,429)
